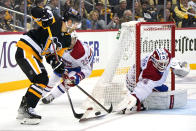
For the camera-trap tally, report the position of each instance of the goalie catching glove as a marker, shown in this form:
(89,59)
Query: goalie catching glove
(180,69)
(71,81)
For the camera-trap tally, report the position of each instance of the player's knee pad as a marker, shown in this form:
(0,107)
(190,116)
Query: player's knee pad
(42,78)
(162,88)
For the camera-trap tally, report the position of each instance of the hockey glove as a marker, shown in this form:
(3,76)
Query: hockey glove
(58,66)
(74,80)
(47,18)
(71,14)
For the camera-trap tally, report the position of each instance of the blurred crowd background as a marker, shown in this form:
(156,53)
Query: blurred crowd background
(100,14)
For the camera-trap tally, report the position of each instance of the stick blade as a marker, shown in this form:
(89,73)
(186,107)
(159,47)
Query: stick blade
(110,109)
(78,116)
(92,118)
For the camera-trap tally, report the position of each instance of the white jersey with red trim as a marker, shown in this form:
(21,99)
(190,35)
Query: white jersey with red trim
(79,59)
(149,78)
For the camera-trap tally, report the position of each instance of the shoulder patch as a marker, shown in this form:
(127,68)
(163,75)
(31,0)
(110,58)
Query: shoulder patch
(78,50)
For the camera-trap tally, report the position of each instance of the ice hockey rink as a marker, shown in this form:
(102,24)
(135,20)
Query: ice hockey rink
(58,116)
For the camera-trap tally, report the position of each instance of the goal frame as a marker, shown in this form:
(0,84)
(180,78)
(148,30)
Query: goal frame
(138,51)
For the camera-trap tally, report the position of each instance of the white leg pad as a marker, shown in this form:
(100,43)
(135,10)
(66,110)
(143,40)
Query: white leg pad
(161,100)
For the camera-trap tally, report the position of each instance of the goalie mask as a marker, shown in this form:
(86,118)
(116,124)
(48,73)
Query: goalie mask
(160,59)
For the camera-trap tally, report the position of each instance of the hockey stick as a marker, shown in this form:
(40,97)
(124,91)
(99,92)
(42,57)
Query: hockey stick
(107,110)
(76,115)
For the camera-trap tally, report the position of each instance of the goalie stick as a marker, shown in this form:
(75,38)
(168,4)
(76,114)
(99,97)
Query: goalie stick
(76,115)
(89,110)
(92,118)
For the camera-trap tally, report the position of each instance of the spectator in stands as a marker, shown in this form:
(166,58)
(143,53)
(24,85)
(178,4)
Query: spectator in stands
(183,13)
(39,3)
(149,12)
(2,25)
(127,16)
(85,22)
(99,6)
(7,4)
(109,14)
(113,2)
(170,15)
(114,24)
(130,4)
(89,5)
(20,18)
(1,3)
(95,22)
(7,16)
(54,7)
(138,10)
(119,9)
(83,10)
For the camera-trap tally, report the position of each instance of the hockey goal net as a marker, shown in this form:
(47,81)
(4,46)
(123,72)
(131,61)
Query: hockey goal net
(134,41)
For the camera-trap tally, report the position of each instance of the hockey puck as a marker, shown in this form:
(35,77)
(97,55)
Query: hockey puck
(97,113)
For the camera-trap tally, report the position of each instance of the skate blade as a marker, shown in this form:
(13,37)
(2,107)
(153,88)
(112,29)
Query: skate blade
(27,121)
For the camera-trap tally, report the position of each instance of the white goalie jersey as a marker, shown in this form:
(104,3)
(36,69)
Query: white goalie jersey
(157,79)
(149,79)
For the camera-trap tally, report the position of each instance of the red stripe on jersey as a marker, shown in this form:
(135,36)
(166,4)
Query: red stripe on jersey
(78,50)
(151,72)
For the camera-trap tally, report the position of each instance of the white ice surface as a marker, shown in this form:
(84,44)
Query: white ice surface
(58,115)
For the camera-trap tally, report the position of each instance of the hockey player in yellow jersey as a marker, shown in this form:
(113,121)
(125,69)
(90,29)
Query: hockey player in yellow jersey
(31,48)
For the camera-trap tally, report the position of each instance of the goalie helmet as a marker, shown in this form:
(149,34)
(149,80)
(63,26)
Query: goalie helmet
(160,59)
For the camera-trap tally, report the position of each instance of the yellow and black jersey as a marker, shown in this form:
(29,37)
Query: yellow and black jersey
(39,39)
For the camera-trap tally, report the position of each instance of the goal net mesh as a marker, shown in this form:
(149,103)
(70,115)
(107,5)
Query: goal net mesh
(134,41)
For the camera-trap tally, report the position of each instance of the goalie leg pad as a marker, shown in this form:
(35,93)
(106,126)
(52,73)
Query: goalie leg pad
(161,100)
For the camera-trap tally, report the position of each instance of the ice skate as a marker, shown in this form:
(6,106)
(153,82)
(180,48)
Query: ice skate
(27,115)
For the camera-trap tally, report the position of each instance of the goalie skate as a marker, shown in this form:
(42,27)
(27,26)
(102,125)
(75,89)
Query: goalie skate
(48,99)
(27,115)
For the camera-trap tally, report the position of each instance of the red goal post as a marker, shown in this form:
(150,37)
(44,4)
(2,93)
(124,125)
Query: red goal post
(138,43)
(171,27)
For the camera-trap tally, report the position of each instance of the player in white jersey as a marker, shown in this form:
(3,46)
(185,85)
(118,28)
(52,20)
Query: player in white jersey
(154,71)
(79,64)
